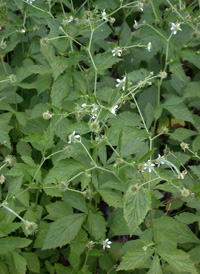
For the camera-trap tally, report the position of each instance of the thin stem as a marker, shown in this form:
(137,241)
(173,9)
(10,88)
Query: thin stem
(13,212)
(88,153)
(140,114)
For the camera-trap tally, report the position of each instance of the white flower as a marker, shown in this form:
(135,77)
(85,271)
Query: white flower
(117,51)
(141,6)
(175,27)
(22,30)
(159,160)
(121,83)
(83,105)
(104,15)
(149,46)
(70,19)
(30,1)
(149,165)
(113,109)
(94,111)
(136,23)
(72,136)
(182,175)
(106,243)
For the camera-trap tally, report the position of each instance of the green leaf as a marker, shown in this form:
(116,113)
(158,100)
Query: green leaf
(191,56)
(180,112)
(60,89)
(43,82)
(59,64)
(182,134)
(155,266)
(192,90)
(11,243)
(111,198)
(96,226)
(19,263)
(4,268)
(137,203)
(33,262)
(76,200)
(196,170)
(178,259)
(58,210)
(187,218)
(63,231)
(135,258)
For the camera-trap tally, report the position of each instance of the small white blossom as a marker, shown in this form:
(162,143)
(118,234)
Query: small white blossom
(30,1)
(160,160)
(175,27)
(182,175)
(149,46)
(106,243)
(149,165)
(70,19)
(113,109)
(141,6)
(117,51)
(83,105)
(72,136)
(121,83)
(22,30)
(94,111)
(104,15)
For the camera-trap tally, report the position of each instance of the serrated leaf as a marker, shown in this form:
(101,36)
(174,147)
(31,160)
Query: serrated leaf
(11,243)
(96,226)
(178,259)
(33,262)
(43,82)
(192,56)
(59,64)
(60,89)
(76,200)
(63,231)
(155,266)
(134,258)
(58,210)
(187,218)
(180,112)
(111,198)
(192,90)
(196,170)
(137,203)
(19,263)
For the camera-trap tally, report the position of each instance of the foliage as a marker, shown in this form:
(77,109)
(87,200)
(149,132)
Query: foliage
(99,139)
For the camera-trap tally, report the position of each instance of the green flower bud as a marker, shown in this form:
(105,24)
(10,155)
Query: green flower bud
(2,179)
(12,78)
(46,115)
(10,160)
(30,227)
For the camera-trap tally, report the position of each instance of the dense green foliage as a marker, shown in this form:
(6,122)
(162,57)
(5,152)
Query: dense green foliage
(100,136)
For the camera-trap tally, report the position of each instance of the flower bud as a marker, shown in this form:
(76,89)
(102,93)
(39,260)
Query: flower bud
(185,192)
(46,115)
(2,179)
(184,146)
(94,127)
(10,160)
(30,227)
(44,41)
(90,245)
(3,45)
(163,74)
(12,78)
